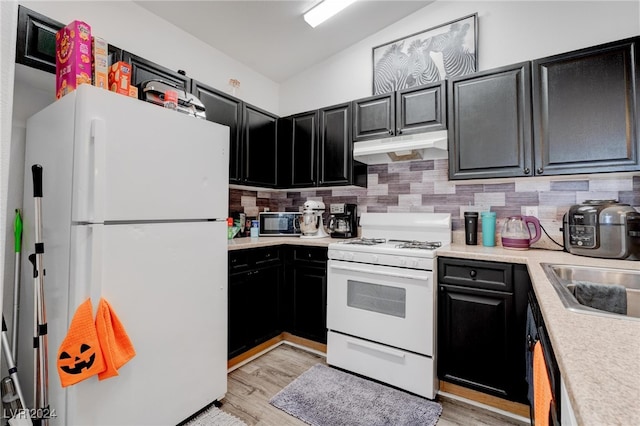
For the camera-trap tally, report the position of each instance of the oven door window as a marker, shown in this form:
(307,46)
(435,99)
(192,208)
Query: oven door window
(377,298)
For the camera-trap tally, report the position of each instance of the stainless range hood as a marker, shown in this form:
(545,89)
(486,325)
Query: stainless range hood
(423,146)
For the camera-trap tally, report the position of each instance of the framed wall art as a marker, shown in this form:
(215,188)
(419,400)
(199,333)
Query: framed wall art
(440,52)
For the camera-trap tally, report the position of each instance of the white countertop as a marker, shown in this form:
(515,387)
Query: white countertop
(598,357)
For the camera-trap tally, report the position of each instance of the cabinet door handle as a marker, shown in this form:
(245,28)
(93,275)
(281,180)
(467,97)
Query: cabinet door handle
(391,132)
(527,170)
(540,170)
(399,131)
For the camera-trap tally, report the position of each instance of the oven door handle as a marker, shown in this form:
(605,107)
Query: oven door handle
(421,277)
(385,351)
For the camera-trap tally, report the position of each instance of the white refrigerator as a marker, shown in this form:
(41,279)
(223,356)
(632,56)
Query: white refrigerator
(134,207)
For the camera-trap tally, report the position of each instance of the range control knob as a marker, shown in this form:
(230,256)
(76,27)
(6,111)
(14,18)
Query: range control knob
(403,262)
(348,256)
(375,258)
(414,262)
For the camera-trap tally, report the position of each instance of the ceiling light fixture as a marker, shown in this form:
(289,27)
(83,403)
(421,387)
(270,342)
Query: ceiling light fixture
(325,10)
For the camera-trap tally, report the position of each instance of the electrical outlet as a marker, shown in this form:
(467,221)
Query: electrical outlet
(531,211)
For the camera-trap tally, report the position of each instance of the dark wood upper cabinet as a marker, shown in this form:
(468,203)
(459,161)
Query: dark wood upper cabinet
(421,109)
(36,40)
(586,110)
(374,117)
(303,150)
(143,70)
(224,109)
(335,159)
(259,147)
(315,149)
(490,123)
(413,110)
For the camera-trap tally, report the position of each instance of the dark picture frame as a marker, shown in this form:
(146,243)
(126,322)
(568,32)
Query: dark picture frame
(445,51)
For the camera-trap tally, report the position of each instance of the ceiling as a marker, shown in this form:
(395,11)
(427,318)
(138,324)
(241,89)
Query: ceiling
(271,37)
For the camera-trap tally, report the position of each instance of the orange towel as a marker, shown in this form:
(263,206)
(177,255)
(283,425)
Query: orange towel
(79,355)
(117,349)
(541,387)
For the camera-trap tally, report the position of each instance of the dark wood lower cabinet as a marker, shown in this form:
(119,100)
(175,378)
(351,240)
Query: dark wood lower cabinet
(481,331)
(310,302)
(255,277)
(304,303)
(477,351)
(253,308)
(272,290)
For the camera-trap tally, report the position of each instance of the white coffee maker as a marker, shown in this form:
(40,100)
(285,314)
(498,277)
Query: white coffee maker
(311,222)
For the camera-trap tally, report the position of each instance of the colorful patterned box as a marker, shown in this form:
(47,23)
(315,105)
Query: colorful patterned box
(73,57)
(120,78)
(100,62)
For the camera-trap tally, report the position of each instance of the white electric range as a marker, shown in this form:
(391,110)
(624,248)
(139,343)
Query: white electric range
(381,299)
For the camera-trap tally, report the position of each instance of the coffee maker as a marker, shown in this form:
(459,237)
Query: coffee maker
(343,222)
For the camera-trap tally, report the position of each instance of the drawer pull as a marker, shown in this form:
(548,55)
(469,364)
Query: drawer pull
(382,350)
(473,273)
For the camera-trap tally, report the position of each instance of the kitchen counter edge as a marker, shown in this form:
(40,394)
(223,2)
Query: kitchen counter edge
(249,243)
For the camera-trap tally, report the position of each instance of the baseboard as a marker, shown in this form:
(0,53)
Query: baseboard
(306,344)
(288,338)
(511,409)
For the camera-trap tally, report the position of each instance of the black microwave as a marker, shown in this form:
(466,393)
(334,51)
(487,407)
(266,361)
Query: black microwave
(275,224)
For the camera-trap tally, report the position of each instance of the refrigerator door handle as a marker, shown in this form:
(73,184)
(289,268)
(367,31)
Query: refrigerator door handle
(98,178)
(97,238)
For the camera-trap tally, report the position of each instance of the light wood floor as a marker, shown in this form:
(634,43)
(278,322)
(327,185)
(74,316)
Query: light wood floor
(251,386)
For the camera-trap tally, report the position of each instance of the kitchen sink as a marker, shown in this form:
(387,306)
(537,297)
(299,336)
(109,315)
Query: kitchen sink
(564,279)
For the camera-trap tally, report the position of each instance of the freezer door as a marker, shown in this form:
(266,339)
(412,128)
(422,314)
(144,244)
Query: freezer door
(138,161)
(167,283)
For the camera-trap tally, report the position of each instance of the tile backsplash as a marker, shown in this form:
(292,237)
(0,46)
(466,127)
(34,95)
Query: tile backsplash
(423,186)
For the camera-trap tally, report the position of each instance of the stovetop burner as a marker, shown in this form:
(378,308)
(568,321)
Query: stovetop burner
(424,245)
(366,241)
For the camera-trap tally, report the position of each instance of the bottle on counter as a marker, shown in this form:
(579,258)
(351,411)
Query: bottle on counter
(471,228)
(255,230)
(488,229)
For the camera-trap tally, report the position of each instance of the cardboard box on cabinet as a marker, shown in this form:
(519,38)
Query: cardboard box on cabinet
(120,78)
(73,57)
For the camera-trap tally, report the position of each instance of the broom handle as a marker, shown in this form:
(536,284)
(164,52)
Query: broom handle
(13,370)
(17,230)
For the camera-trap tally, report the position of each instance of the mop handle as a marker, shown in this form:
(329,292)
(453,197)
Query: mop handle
(43,381)
(36,340)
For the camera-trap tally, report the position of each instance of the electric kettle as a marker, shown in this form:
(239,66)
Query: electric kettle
(516,232)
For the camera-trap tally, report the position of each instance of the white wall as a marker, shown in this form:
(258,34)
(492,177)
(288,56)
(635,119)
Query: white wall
(8,17)
(134,29)
(508,32)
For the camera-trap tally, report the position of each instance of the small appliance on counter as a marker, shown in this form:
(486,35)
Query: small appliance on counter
(154,91)
(311,221)
(279,224)
(602,228)
(343,222)
(516,232)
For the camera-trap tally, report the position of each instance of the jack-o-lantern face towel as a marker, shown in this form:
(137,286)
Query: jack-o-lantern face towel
(117,349)
(79,356)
